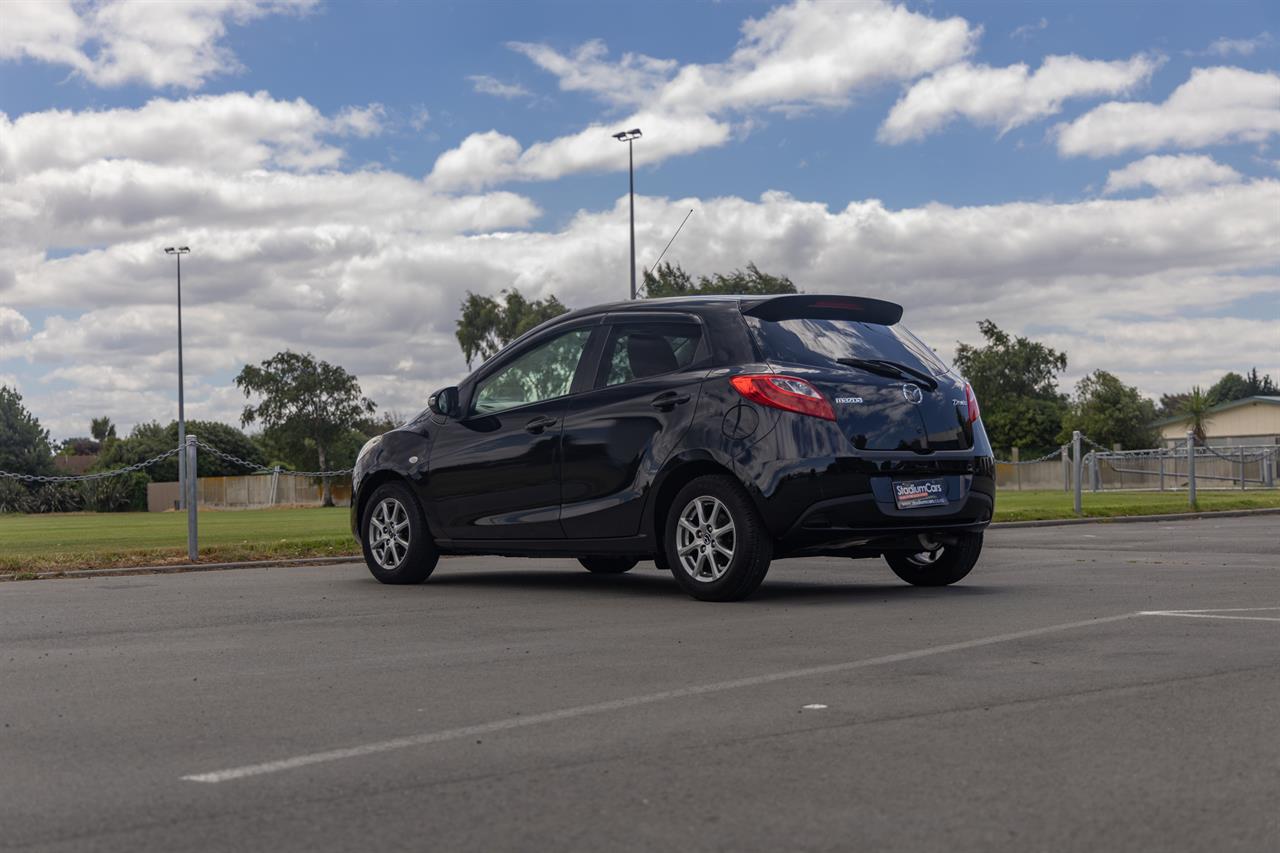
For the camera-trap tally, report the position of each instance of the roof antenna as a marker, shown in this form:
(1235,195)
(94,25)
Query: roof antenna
(669,242)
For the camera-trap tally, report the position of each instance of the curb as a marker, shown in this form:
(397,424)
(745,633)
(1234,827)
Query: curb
(180,568)
(1136,519)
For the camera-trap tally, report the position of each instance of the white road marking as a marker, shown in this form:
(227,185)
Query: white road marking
(625,703)
(813,707)
(1186,615)
(1210,610)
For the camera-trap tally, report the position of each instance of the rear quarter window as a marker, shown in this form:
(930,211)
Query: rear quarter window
(819,343)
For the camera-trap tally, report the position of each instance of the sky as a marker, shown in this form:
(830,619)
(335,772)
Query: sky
(1104,177)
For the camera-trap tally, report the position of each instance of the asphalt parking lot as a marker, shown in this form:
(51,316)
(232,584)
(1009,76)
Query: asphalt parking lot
(1100,687)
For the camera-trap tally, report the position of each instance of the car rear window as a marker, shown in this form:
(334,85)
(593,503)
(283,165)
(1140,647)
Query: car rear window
(819,343)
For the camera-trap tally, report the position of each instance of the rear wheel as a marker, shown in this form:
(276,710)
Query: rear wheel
(398,548)
(608,565)
(942,566)
(714,540)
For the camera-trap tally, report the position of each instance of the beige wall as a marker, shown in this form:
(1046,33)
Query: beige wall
(253,490)
(1255,419)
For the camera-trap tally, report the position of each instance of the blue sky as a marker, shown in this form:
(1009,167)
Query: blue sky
(336,211)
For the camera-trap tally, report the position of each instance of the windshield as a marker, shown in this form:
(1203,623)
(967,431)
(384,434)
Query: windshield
(821,343)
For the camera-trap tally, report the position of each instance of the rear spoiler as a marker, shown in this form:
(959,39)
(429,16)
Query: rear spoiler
(804,306)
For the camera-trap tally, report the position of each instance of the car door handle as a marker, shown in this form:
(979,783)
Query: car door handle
(538,424)
(668,400)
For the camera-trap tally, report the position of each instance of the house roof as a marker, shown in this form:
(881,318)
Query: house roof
(1222,407)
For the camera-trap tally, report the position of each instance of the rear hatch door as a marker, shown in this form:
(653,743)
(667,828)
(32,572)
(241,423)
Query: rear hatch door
(888,389)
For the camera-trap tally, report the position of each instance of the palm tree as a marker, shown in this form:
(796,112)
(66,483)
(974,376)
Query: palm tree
(1196,411)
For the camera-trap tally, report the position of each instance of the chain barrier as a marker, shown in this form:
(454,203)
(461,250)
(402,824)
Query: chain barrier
(1053,454)
(260,469)
(254,468)
(1236,457)
(82,478)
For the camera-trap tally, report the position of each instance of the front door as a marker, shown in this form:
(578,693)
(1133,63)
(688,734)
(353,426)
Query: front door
(495,472)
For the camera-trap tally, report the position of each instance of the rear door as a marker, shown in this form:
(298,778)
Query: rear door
(617,435)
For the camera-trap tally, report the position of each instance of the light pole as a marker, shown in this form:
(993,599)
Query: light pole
(178,252)
(629,137)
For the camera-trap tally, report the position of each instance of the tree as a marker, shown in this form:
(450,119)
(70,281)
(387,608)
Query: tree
(102,428)
(307,400)
(24,444)
(1015,381)
(151,439)
(1172,404)
(80,445)
(1110,412)
(1261,387)
(1196,411)
(487,325)
(672,280)
(1232,386)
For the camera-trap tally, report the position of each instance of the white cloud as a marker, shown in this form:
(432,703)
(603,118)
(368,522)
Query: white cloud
(488,158)
(1243,46)
(13,326)
(363,122)
(1171,174)
(805,55)
(633,79)
(1215,106)
(1008,97)
(114,42)
(486,85)
(367,269)
(228,133)
(1027,30)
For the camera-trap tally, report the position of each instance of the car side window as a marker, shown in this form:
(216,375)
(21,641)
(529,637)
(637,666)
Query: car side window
(542,373)
(640,350)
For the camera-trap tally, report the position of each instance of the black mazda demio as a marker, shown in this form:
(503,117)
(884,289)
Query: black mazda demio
(709,434)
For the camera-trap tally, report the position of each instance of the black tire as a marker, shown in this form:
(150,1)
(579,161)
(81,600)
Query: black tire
(608,565)
(727,578)
(390,562)
(943,567)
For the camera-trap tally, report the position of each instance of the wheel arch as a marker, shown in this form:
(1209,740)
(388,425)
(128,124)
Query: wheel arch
(675,478)
(368,485)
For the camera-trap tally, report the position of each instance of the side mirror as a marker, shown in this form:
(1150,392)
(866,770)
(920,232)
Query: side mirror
(444,402)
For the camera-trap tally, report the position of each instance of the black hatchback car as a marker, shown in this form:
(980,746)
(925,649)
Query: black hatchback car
(709,434)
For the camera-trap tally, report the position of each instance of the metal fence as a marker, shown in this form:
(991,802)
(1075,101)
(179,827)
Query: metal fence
(1187,467)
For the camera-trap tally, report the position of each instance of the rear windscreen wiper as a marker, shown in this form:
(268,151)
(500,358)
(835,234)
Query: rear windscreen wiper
(884,367)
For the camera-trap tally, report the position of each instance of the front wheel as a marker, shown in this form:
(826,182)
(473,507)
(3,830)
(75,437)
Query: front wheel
(398,548)
(715,541)
(940,567)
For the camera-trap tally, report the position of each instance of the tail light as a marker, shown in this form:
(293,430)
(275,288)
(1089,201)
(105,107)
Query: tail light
(784,392)
(970,402)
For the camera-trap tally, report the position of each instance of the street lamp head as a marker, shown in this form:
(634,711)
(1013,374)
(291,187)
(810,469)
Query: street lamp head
(180,250)
(627,135)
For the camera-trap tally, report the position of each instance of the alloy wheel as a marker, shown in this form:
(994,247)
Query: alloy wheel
(389,534)
(924,559)
(705,539)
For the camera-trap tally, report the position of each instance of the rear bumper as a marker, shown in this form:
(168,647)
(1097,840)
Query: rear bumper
(844,503)
(865,523)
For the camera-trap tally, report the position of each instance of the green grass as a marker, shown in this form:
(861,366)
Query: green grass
(93,540)
(38,543)
(1035,506)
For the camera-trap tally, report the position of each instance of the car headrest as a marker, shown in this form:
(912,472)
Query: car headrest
(650,355)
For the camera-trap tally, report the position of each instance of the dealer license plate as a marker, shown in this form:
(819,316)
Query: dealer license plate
(915,494)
